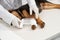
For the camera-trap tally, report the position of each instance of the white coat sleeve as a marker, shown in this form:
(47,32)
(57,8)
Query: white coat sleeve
(5,15)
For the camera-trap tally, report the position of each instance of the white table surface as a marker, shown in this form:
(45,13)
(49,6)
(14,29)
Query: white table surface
(52,26)
(6,34)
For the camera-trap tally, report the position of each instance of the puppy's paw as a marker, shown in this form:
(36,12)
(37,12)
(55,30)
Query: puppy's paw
(42,24)
(33,27)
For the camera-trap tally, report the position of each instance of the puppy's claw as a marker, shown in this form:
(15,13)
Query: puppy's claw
(42,24)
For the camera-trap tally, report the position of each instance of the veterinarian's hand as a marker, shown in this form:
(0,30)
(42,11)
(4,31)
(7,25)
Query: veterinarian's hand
(9,18)
(33,7)
(15,22)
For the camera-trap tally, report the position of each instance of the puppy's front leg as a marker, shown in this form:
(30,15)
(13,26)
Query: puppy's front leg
(39,21)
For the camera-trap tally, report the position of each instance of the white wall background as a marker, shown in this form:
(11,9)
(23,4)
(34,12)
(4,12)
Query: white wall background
(54,1)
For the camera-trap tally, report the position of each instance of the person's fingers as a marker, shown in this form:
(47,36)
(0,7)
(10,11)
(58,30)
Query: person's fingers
(16,22)
(36,15)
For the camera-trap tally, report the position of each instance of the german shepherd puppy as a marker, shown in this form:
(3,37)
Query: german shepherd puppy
(23,11)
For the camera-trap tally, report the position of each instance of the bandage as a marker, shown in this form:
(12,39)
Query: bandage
(28,22)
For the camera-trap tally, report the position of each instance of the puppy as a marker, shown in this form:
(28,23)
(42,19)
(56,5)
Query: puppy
(24,11)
